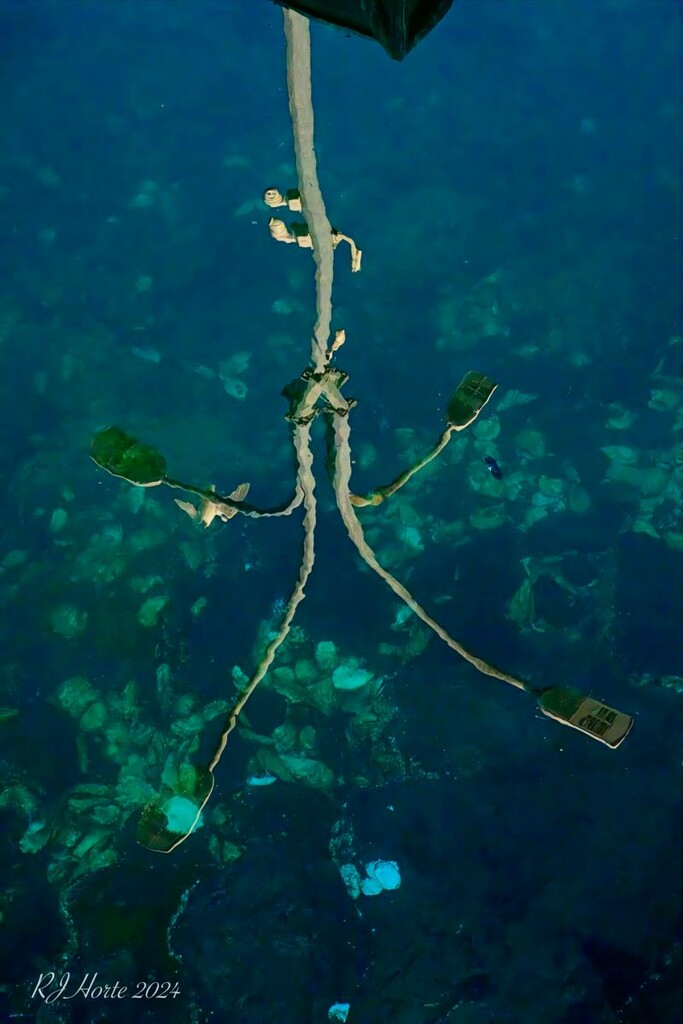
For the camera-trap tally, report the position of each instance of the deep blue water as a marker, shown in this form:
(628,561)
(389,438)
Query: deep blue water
(515,185)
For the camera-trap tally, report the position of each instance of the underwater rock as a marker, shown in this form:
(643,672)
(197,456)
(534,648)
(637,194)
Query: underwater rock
(285,737)
(367,454)
(674,540)
(142,584)
(549,494)
(550,487)
(663,400)
(146,195)
(198,607)
(284,682)
(518,484)
(489,518)
(305,671)
(164,678)
(620,418)
(338,1013)
(407,514)
(235,160)
(104,559)
(200,369)
(386,872)
(249,206)
(90,841)
(188,727)
(192,554)
(288,685)
(351,879)
(620,454)
(521,606)
(408,443)
(58,520)
(648,480)
(463,320)
(135,499)
(117,738)
(94,717)
(68,621)
(184,705)
(641,524)
(144,540)
(370,887)
(308,738)
(89,789)
(543,504)
(296,768)
(653,480)
(488,429)
(34,838)
(75,695)
(224,851)
(578,499)
(14,558)
(674,683)
(19,797)
(111,534)
(235,365)
(419,637)
(127,703)
(350,677)
(132,791)
(147,353)
(143,283)
(262,779)
(283,307)
(514,397)
(530,444)
(235,387)
(151,609)
(411,539)
(108,814)
(381,875)
(239,677)
(534,513)
(283,676)
(403,614)
(326,655)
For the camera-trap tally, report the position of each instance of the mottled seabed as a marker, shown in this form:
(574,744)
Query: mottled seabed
(389,829)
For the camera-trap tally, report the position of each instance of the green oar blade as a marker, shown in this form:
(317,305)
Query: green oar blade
(470,397)
(588,715)
(124,456)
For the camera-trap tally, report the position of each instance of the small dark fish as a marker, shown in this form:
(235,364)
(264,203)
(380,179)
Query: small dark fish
(493,467)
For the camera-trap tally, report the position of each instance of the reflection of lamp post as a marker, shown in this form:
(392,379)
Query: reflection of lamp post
(174,814)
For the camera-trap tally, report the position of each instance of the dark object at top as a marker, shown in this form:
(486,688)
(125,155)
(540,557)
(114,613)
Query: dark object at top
(397,24)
